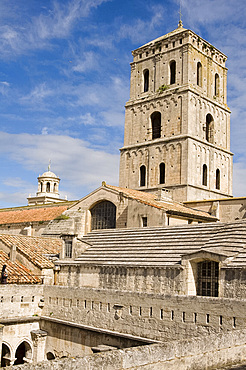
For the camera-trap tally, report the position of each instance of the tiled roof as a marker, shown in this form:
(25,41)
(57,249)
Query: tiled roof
(146,246)
(34,248)
(17,273)
(32,213)
(169,206)
(165,246)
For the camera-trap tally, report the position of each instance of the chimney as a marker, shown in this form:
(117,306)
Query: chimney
(164,195)
(12,254)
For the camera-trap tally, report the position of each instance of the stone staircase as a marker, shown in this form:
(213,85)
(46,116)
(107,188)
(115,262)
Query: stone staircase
(159,246)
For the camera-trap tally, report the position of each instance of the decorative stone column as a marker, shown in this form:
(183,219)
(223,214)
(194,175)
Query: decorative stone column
(39,342)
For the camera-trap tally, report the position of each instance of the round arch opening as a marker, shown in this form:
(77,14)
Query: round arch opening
(23,353)
(50,356)
(103,215)
(6,355)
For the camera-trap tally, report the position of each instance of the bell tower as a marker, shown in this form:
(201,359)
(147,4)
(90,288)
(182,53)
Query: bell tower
(177,122)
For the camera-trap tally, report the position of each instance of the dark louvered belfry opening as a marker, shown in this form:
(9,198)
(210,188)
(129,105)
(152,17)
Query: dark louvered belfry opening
(156,125)
(103,216)
(208,278)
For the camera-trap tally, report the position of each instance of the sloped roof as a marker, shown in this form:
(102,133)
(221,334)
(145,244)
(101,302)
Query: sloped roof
(164,246)
(17,273)
(32,213)
(34,248)
(172,33)
(169,206)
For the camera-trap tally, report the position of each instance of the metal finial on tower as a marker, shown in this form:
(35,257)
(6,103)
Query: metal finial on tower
(49,165)
(180,15)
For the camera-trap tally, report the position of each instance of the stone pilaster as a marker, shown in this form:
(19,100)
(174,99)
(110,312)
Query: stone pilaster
(39,342)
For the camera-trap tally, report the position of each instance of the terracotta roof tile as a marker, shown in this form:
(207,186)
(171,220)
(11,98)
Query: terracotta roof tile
(17,273)
(167,205)
(34,248)
(31,214)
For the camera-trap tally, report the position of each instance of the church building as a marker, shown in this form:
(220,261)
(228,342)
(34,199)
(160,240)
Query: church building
(158,262)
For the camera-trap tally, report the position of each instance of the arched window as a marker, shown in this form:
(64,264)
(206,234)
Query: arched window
(48,187)
(156,125)
(172,72)
(216,84)
(41,187)
(204,175)
(208,278)
(209,127)
(23,353)
(142,175)
(6,355)
(146,80)
(103,216)
(199,74)
(218,179)
(55,187)
(162,171)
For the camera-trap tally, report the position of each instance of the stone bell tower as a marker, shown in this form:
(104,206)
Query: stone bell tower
(177,122)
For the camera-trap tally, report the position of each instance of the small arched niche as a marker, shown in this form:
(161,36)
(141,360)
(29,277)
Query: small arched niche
(199,74)
(156,125)
(216,84)
(146,80)
(142,176)
(172,72)
(209,128)
(204,175)
(162,173)
(217,181)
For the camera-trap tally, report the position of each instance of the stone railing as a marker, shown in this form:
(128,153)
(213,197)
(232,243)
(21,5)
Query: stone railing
(157,317)
(212,351)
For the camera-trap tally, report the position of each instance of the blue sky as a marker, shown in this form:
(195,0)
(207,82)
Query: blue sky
(64,80)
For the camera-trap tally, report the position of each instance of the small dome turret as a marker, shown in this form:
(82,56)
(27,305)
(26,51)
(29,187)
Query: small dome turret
(48,189)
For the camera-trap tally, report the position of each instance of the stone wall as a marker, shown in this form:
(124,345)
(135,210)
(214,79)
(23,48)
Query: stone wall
(165,280)
(65,340)
(150,279)
(35,229)
(226,210)
(20,300)
(20,308)
(156,317)
(209,352)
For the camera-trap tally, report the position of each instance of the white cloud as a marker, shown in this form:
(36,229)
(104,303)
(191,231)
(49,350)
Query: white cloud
(7,198)
(74,160)
(4,87)
(4,83)
(85,62)
(16,182)
(52,23)
(239,176)
(38,94)
(87,119)
(44,131)
(139,30)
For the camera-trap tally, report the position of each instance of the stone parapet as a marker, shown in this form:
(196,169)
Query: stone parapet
(207,352)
